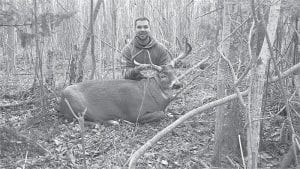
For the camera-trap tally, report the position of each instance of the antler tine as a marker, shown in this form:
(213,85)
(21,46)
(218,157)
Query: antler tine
(185,53)
(151,66)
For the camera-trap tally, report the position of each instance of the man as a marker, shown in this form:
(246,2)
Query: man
(144,49)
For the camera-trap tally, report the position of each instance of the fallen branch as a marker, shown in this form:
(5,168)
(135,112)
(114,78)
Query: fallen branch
(159,135)
(27,102)
(193,68)
(288,72)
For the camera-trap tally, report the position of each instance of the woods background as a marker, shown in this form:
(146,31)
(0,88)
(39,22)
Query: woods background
(63,25)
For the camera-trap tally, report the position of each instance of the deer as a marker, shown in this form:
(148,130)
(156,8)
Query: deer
(135,101)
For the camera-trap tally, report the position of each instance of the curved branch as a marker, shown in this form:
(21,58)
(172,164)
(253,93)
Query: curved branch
(159,135)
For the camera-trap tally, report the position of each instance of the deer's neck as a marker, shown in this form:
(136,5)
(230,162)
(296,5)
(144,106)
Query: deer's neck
(163,91)
(154,90)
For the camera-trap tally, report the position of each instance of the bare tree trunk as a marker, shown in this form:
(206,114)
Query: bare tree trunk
(291,155)
(39,58)
(75,52)
(11,67)
(296,57)
(11,50)
(49,79)
(114,33)
(258,78)
(86,43)
(51,52)
(92,42)
(228,117)
(141,8)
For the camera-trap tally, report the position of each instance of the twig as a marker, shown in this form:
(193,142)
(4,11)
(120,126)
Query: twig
(235,30)
(242,153)
(296,137)
(294,149)
(146,83)
(203,164)
(189,3)
(283,108)
(296,31)
(215,10)
(25,161)
(293,108)
(250,54)
(295,102)
(232,162)
(237,90)
(80,118)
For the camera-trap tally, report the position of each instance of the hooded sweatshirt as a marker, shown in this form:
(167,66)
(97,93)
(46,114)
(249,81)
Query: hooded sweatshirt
(140,50)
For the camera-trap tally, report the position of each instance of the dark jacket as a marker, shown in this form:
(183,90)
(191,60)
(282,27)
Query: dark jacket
(159,55)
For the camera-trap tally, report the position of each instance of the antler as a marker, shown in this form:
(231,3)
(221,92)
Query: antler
(148,66)
(183,54)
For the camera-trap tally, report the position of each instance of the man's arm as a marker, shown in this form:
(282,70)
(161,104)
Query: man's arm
(130,71)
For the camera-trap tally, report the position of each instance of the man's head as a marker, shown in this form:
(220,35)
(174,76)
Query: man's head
(142,28)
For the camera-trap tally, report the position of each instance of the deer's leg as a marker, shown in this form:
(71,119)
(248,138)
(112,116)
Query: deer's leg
(151,116)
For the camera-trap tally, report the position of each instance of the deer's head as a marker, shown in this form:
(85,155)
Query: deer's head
(165,73)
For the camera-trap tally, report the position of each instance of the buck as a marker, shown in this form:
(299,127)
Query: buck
(135,101)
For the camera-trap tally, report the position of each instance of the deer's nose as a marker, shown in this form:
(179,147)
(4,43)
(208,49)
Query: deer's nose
(177,85)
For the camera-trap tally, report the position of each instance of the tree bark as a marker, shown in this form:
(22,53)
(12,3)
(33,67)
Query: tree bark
(257,78)
(49,79)
(75,52)
(228,117)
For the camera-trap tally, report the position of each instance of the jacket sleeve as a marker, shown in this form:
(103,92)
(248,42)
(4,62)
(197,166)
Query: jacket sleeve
(130,72)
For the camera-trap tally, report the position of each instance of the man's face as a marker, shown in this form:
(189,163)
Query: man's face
(142,29)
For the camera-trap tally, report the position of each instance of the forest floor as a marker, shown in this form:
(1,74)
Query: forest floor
(31,138)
